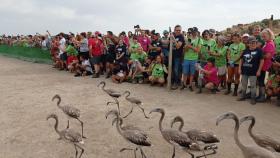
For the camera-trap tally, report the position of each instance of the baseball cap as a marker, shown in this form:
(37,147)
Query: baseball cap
(245,35)
(252,39)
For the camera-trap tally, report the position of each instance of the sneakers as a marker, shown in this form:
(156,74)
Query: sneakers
(241,98)
(191,88)
(96,75)
(182,87)
(227,92)
(253,101)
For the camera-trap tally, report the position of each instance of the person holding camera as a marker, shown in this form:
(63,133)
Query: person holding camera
(208,46)
(144,40)
(157,70)
(192,49)
(155,46)
(178,40)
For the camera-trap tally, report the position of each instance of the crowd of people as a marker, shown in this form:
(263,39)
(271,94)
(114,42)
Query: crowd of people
(207,60)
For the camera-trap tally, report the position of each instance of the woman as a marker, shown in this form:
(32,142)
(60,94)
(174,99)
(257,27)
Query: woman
(208,46)
(233,56)
(83,45)
(268,53)
(250,67)
(220,55)
(192,50)
(208,76)
(157,70)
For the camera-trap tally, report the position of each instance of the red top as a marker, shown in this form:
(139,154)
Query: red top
(213,76)
(96,46)
(70,59)
(268,48)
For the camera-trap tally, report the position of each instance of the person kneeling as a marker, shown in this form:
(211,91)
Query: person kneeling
(119,72)
(250,68)
(272,87)
(84,69)
(208,76)
(157,69)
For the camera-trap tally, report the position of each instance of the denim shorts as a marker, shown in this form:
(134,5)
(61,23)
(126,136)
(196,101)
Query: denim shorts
(189,67)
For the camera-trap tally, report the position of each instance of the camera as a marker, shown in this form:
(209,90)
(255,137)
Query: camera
(137,27)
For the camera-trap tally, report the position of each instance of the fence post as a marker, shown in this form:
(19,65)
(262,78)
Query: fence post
(170,61)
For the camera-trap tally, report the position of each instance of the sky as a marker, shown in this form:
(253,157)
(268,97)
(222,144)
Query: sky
(32,16)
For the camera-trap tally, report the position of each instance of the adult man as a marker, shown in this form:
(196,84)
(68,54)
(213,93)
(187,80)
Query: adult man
(256,33)
(95,51)
(155,46)
(165,46)
(177,54)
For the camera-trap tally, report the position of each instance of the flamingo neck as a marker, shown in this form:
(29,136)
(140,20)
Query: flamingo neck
(250,129)
(181,125)
(127,95)
(236,137)
(56,126)
(118,125)
(161,119)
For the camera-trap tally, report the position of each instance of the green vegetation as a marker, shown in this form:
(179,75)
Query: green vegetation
(36,55)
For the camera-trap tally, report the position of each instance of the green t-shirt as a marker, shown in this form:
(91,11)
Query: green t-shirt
(158,70)
(221,59)
(190,54)
(204,55)
(277,44)
(235,50)
(71,50)
(134,46)
(272,79)
(139,57)
(259,38)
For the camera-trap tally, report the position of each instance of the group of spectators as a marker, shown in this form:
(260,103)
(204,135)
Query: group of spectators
(210,60)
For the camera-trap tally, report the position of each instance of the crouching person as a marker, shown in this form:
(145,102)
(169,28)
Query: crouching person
(83,69)
(272,87)
(208,76)
(250,68)
(120,71)
(157,70)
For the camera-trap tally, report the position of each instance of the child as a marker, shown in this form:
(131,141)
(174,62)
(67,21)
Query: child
(272,85)
(119,72)
(208,76)
(157,69)
(83,69)
(72,59)
(250,68)
(137,59)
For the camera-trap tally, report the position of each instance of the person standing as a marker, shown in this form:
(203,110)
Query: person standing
(83,45)
(250,68)
(155,47)
(192,50)
(208,45)
(96,48)
(268,53)
(257,33)
(165,46)
(234,53)
(177,54)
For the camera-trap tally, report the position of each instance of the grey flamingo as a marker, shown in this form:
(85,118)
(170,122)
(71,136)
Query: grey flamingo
(247,151)
(112,93)
(69,136)
(134,102)
(70,111)
(262,140)
(134,136)
(174,137)
(207,138)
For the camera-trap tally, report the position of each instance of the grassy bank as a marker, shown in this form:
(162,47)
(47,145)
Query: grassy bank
(35,55)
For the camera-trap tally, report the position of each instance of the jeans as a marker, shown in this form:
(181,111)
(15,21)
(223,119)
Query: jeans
(177,69)
(253,84)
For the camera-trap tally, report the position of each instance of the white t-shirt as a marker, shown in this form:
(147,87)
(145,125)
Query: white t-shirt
(62,46)
(88,65)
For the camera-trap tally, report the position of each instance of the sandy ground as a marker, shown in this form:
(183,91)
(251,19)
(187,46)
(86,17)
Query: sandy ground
(26,90)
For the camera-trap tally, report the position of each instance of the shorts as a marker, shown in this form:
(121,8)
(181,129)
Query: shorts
(222,70)
(109,58)
(189,67)
(95,60)
(63,57)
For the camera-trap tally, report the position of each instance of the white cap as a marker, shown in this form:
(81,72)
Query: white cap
(245,35)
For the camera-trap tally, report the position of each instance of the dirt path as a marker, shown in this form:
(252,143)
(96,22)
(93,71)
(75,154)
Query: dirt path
(26,90)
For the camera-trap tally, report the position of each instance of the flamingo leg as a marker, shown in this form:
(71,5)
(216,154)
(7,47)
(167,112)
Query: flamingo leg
(82,150)
(143,110)
(192,155)
(212,147)
(129,112)
(134,150)
(76,151)
(142,153)
(67,124)
(173,155)
(82,124)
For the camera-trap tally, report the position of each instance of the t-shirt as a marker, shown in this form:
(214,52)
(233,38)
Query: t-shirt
(97,46)
(71,50)
(213,76)
(158,70)
(190,54)
(139,57)
(260,40)
(155,43)
(71,58)
(120,49)
(84,45)
(277,44)
(145,42)
(88,65)
(235,50)
(273,81)
(211,43)
(62,46)
(221,60)
(268,48)
(178,53)
(251,61)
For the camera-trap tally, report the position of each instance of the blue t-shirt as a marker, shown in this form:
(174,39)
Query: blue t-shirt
(251,61)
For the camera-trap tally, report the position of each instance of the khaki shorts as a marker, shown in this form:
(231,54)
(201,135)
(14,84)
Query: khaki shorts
(222,70)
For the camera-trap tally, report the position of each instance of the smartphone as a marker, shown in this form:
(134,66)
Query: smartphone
(209,48)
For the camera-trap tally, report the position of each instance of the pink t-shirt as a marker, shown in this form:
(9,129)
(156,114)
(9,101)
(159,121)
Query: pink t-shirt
(213,76)
(269,47)
(145,42)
